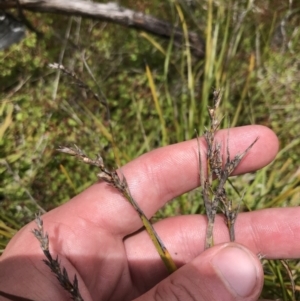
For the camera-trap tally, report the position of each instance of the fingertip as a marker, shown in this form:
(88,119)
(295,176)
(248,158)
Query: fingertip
(267,142)
(264,148)
(239,270)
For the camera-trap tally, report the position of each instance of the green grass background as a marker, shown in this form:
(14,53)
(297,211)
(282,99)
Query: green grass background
(157,95)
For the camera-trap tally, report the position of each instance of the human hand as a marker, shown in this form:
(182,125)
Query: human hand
(95,236)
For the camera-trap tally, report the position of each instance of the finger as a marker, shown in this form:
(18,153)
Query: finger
(224,272)
(273,233)
(163,174)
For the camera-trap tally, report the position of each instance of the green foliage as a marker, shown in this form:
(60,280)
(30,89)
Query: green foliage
(40,109)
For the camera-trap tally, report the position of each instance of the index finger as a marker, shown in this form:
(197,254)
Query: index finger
(173,170)
(162,174)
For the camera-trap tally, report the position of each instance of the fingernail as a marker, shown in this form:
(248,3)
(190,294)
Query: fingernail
(237,269)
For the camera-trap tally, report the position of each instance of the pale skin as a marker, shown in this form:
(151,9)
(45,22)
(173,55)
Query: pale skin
(90,234)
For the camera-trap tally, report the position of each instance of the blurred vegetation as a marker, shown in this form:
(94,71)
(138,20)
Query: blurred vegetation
(157,95)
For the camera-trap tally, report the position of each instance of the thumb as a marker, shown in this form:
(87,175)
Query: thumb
(225,272)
